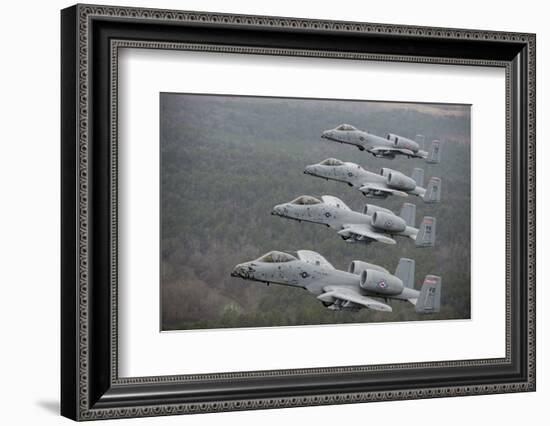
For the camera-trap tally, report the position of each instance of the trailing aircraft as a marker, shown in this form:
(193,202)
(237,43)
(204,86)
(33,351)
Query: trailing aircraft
(373,224)
(388,146)
(388,182)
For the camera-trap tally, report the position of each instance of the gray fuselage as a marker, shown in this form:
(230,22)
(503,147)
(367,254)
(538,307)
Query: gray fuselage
(333,216)
(352,174)
(313,278)
(375,144)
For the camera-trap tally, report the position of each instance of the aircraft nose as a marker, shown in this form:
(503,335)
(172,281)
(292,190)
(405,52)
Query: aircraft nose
(326,134)
(308,170)
(240,270)
(277,210)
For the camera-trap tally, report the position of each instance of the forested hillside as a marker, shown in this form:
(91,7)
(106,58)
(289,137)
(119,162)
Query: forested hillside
(226,161)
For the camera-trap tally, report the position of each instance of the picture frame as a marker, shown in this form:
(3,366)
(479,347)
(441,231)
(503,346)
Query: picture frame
(90,384)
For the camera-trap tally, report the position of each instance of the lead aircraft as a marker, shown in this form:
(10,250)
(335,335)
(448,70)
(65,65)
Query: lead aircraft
(363,285)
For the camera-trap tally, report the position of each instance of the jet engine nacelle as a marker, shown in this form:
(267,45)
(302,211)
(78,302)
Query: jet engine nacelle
(405,143)
(380,282)
(398,180)
(384,171)
(357,267)
(388,222)
(370,209)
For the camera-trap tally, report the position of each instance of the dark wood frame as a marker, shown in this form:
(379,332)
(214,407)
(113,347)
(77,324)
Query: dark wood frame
(91,37)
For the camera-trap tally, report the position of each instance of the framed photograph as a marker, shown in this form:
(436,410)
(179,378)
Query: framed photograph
(263,212)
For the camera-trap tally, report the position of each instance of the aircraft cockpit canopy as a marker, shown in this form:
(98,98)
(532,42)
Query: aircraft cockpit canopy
(276,257)
(306,200)
(345,127)
(332,162)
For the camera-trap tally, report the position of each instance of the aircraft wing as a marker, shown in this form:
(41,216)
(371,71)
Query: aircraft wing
(367,232)
(314,258)
(350,295)
(368,187)
(404,151)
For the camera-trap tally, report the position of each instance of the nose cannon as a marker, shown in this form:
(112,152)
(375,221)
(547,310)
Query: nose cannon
(277,210)
(240,271)
(309,170)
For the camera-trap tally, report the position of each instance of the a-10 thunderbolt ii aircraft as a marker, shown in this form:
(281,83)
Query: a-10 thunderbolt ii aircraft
(388,182)
(388,146)
(363,285)
(373,224)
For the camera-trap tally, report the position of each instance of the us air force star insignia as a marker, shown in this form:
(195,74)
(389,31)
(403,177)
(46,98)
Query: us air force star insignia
(382,284)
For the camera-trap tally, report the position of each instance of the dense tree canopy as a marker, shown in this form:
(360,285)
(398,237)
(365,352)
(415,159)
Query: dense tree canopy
(226,161)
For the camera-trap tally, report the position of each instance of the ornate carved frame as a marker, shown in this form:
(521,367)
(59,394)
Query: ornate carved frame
(91,37)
